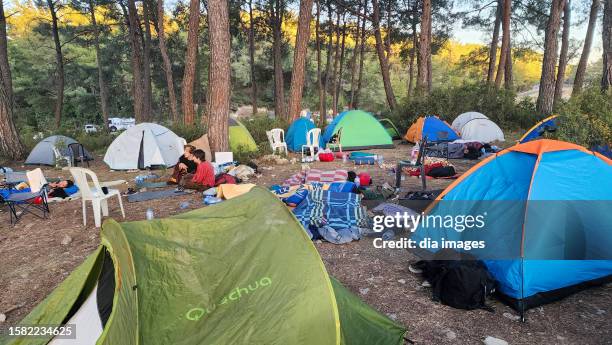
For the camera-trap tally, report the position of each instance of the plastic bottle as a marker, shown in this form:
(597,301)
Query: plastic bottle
(150,215)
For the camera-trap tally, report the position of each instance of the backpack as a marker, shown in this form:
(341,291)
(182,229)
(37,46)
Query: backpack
(459,280)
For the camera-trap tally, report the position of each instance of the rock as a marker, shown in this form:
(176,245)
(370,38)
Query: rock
(511,316)
(66,240)
(600,312)
(449,335)
(392,316)
(364,291)
(2,317)
(402,281)
(489,340)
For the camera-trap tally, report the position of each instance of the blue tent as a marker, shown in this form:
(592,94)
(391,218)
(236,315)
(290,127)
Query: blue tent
(432,128)
(549,124)
(296,134)
(546,222)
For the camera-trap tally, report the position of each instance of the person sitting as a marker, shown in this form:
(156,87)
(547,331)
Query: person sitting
(58,189)
(204,176)
(185,165)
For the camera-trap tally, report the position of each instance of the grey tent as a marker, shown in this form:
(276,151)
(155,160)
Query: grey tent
(43,153)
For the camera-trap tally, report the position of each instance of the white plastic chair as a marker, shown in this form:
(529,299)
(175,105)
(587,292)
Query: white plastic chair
(312,142)
(94,193)
(276,137)
(61,157)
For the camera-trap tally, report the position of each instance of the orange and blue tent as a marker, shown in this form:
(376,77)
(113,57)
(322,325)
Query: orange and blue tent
(547,226)
(431,127)
(549,124)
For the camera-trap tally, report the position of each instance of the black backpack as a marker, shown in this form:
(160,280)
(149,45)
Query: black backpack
(459,280)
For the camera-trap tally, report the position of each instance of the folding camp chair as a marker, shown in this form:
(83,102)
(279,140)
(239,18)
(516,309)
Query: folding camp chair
(336,144)
(77,154)
(418,163)
(21,203)
(438,148)
(59,157)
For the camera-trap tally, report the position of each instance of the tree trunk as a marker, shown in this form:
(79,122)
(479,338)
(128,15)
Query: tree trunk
(10,144)
(354,59)
(101,82)
(341,72)
(279,83)
(161,35)
(606,79)
(494,40)
(137,61)
(389,29)
(413,51)
(328,62)
(319,74)
(547,80)
(508,74)
(219,74)
(59,65)
(191,59)
(335,67)
(503,56)
(252,58)
(563,54)
(148,93)
(382,59)
(586,48)
(424,50)
(299,60)
(361,55)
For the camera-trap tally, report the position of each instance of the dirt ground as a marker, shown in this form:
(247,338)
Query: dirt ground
(36,255)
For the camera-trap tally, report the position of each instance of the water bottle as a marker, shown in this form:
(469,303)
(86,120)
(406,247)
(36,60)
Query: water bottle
(150,215)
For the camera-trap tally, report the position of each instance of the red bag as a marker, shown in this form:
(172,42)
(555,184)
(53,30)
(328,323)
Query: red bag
(326,157)
(365,179)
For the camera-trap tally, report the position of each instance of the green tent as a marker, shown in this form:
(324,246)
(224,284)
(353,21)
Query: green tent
(391,129)
(360,130)
(240,272)
(240,138)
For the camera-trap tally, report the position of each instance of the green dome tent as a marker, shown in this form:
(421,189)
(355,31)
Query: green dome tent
(240,272)
(360,130)
(390,128)
(240,138)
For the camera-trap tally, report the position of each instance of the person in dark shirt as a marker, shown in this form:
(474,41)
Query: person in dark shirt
(57,189)
(185,165)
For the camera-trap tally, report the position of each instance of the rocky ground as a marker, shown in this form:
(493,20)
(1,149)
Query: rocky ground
(36,255)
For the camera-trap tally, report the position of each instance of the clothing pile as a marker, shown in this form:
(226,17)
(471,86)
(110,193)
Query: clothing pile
(434,167)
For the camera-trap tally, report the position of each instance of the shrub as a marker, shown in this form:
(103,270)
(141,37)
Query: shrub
(586,119)
(499,105)
(258,126)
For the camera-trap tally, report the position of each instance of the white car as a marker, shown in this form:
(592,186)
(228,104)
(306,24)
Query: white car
(90,129)
(118,123)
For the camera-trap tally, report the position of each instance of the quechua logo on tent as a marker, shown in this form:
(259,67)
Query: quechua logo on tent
(195,314)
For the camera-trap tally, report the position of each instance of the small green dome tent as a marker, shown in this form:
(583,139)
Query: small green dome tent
(240,138)
(240,272)
(360,130)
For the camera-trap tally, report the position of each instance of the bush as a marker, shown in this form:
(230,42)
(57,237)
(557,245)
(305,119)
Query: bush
(499,105)
(258,126)
(189,132)
(586,119)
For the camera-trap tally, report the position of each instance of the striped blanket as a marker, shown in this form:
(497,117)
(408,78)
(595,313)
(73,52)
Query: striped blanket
(335,209)
(316,175)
